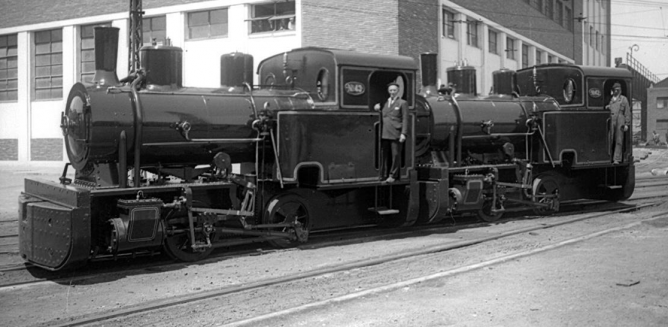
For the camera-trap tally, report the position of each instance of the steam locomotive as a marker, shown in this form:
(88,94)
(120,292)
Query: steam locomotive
(163,166)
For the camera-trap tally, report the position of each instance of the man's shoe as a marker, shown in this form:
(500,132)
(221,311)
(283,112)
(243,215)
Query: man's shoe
(615,162)
(389,180)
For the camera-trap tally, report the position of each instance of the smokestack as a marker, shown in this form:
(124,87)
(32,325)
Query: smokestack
(429,70)
(106,53)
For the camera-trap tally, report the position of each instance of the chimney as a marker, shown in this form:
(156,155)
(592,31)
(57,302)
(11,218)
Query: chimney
(429,71)
(106,53)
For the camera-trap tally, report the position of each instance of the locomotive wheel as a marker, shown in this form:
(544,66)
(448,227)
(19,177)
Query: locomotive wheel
(546,184)
(485,213)
(177,246)
(288,208)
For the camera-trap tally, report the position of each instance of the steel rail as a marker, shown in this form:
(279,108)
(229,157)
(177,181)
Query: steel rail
(189,298)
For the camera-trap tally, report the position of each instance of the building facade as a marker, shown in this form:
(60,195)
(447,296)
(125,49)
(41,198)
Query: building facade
(46,47)
(657,111)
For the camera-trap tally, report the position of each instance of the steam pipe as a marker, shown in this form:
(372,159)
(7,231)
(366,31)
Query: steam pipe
(122,161)
(458,113)
(139,122)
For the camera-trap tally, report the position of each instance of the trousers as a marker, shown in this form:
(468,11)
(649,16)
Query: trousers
(390,157)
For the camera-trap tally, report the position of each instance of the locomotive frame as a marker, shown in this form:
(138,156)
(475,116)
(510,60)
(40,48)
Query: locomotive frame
(299,152)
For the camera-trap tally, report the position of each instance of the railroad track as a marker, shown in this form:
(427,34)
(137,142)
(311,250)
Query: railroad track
(117,317)
(657,188)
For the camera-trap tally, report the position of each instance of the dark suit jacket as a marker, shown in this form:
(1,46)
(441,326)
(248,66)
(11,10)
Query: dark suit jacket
(395,119)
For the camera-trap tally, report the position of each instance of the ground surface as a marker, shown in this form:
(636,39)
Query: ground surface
(617,279)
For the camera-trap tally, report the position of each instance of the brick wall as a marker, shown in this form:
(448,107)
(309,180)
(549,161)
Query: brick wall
(46,149)
(9,149)
(367,26)
(418,28)
(526,20)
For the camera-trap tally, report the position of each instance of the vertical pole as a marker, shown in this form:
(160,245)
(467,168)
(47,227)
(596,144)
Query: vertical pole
(136,37)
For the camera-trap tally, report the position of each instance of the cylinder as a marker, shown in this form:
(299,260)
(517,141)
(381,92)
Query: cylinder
(463,79)
(236,69)
(106,53)
(504,81)
(163,66)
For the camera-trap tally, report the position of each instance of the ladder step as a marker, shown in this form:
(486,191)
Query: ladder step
(384,211)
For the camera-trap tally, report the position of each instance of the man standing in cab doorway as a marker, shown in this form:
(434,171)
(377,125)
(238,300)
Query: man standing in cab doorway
(394,133)
(620,120)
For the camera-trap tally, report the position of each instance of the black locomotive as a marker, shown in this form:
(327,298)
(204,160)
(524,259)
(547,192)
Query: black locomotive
(158,165)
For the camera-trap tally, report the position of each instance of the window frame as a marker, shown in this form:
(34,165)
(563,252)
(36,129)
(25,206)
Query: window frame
(9,71)
(525,55)
(190,18)
(147,29)
(449,24)
(510,48)
(55,92)
(493,45)
(278,22)
(472,33)
(663,101)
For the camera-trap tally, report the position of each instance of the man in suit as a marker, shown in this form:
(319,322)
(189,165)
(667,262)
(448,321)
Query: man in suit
(620,120)
(394,132)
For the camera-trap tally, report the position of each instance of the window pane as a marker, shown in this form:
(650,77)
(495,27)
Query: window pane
(219,16)
(12,40)
(12,51)
(56,58)
(3,84)
(42,94)
(57,82)
(42,37)
(87,32)
(285,8)
(3,41)
(43,71)
(56,35)
(219,30)
(12,84)
(3,74)
(43,60)
(88,55)
(198,32)
(263,10)
(43,82)
(87,67)
(57,70)
(198,18)
(88,44)
(3,63)
(159,23)
(43,48)
(57,47)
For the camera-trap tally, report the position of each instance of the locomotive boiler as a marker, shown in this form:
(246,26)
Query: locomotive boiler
(159,166)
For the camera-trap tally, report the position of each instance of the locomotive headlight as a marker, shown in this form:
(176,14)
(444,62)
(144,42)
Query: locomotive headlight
(569,90)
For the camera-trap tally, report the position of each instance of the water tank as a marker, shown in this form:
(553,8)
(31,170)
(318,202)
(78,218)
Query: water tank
(236,69)
(504,81)
(162,65)
(463,79)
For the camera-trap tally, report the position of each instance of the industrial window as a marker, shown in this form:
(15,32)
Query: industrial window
(8,68)
(87,60)
(274,16)
(472,33)
(591,36)
(539,55)
(493,36)
(48,64)
(448,24)
(525,56)
(154,28)
(549,9)
(661,103)
(568,18)
(207,24)
(510,48)
(598,40)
